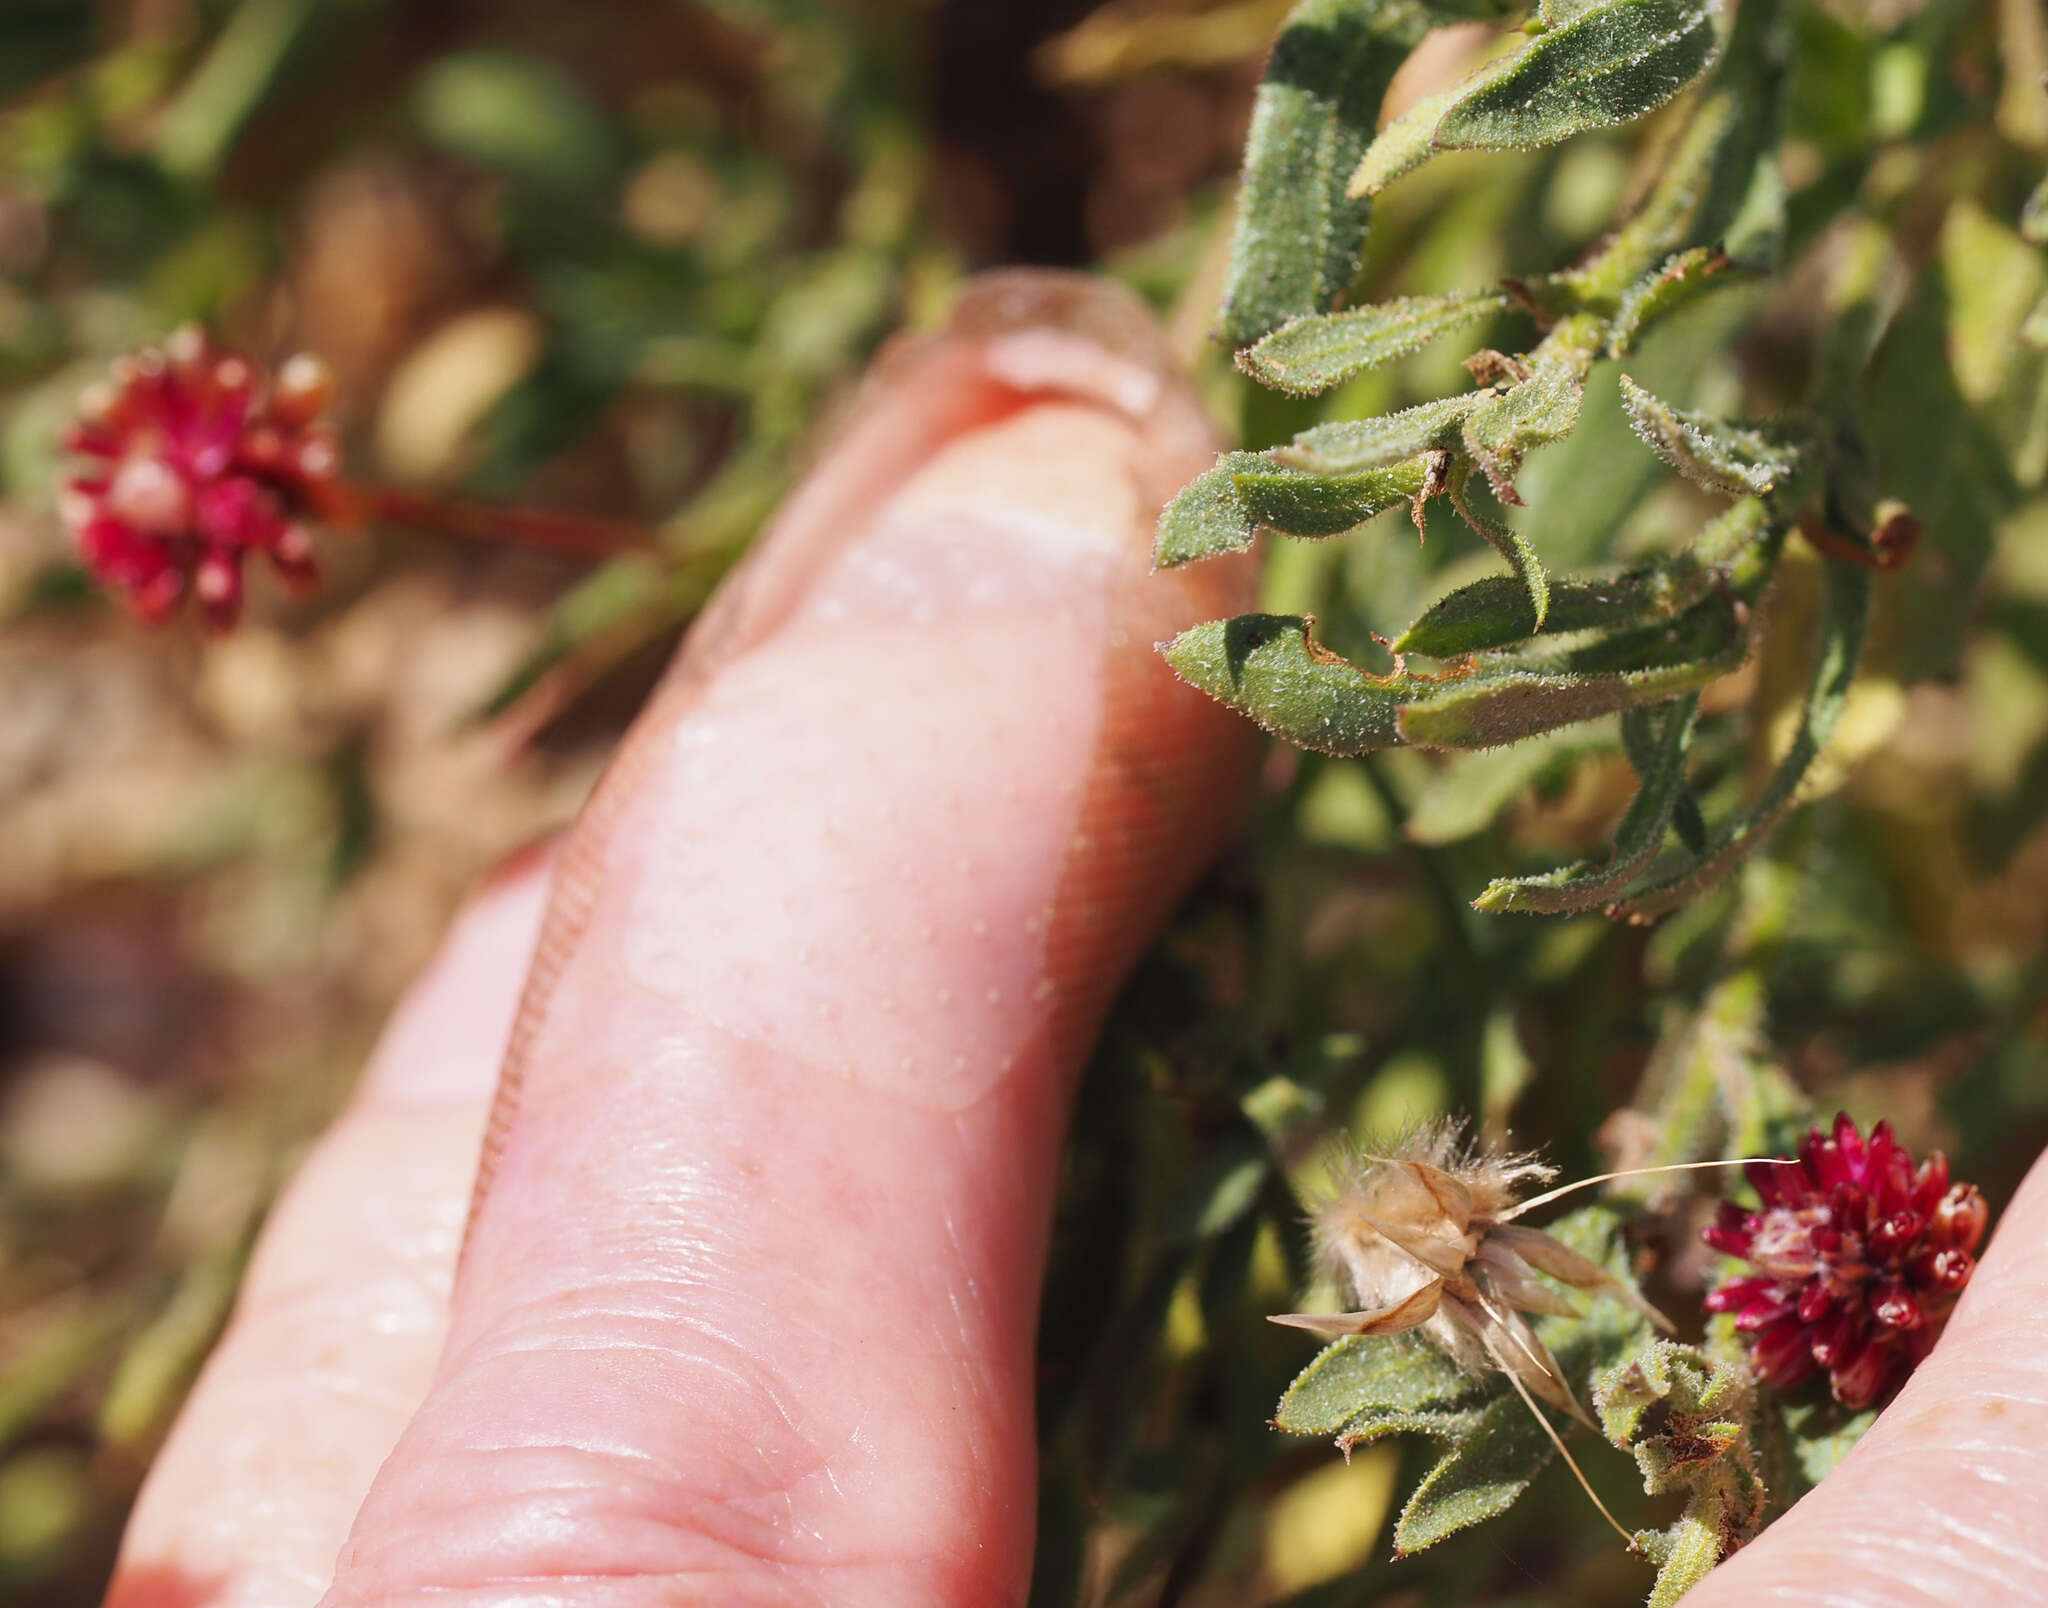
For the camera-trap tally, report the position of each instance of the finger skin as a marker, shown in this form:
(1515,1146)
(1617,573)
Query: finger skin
(1941,1502)
(746,1309)
(339,1323)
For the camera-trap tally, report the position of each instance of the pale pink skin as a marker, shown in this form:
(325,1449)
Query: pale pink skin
(745,1309)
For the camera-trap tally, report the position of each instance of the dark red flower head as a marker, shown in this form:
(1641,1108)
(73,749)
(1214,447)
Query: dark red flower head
(1859,1258)
(198,463)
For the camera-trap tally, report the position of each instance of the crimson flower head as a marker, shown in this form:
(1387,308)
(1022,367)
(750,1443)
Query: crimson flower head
(197,462)
(1859,1258)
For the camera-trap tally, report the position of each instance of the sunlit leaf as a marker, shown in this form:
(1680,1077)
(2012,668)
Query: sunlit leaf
(1709,452)
(1609,64)
(1358,444)
(1657,742)
(1299,239)
(1312,354)
(1541,409)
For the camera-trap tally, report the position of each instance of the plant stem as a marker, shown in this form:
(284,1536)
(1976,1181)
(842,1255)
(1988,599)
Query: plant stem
(555,530)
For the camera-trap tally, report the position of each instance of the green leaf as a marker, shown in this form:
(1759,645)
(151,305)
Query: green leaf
(1488,1466)
(1265,666)
(1309,355)
(1351,445)
(1510,543)
(1355,1383)
(1520,698)
(1405,143)
(1297,504)
(1497,612)
(1685,1553)
(1845,616)
(1657,742)
(1681,280)
(1541,409)
(1299,240)
(1208,518)
(1689,1416)
(1608,65)
(1709,452)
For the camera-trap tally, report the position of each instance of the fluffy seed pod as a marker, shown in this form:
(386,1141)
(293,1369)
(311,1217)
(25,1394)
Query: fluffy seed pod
(196,463)
(1859,1257)
(1423,1240)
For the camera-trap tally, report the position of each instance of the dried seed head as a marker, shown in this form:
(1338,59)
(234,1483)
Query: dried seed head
(196,466)
(1859,1258)
(1421,1240)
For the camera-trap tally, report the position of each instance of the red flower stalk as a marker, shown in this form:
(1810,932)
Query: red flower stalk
(1859,1256)
(197,464)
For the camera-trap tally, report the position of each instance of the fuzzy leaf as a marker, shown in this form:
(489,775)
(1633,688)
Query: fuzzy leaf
(1846,614)
(1351,445)
(1297,504)
(1488,1466)
(1511,544)
(1496,612)
(1657,741)
(1299,239)
(1688,1416)
(1208,518)
(1265,666)
(1610,64)
(1678,282)
(1541,409)
(1307,356)
(1521,698)
(1685,1553)
(1354,1384)
(1709,452)
(1405,143)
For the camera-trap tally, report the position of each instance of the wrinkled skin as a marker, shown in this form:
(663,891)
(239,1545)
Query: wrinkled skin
(751,1094)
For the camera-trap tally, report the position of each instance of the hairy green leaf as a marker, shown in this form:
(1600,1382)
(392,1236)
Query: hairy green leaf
(1518,698)
(1656,740)
(1299,238)
(1355,1385)
(1844,618)
(1310,355)
(1680,281)
(1510,543)
(1265,666)
(1208,518)
(1496,612)
(1689,1418)
(1297,504)
(1352,445)
(1490,1464)
(1709,452)
(1609,64)
(1541,409)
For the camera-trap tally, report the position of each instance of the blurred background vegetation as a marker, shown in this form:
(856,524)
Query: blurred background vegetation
(630,256)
